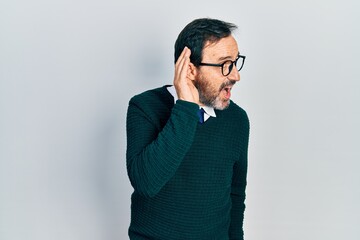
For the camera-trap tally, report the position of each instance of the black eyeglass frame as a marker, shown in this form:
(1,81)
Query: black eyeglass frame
(223,64)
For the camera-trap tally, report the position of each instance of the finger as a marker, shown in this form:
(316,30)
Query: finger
(185,53)
(182,70)
(183,59)
(180,57)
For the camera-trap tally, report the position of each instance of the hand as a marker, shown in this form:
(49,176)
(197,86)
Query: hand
(184,86)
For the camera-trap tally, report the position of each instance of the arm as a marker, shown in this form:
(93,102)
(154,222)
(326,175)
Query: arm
(153,155)
(238,201)
(238,187)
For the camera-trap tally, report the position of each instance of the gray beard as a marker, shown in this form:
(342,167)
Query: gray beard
(212,100)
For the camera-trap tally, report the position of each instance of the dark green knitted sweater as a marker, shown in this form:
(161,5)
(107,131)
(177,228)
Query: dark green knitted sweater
(189,178)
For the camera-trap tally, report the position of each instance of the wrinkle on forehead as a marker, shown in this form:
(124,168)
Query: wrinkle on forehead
(225,48)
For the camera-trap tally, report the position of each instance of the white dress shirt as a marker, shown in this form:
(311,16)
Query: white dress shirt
(209,111)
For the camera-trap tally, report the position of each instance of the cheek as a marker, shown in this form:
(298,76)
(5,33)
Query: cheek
(211,82)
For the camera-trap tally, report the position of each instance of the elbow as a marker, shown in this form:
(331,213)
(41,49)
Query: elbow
(149,193)
(144,189)
(143,184)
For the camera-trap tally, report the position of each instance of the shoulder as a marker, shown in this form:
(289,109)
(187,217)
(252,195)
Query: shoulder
(235,117)
(155,105)
(156,94)
(237,111)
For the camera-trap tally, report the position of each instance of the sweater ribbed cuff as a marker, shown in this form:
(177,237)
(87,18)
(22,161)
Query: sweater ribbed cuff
(188,108)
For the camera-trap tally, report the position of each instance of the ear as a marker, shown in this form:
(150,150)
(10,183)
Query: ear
(192,71)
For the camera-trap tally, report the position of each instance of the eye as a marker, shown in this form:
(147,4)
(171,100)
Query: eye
(227,64)
(227,67)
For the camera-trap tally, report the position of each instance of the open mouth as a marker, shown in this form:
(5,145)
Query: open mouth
(226,88)
(227,91)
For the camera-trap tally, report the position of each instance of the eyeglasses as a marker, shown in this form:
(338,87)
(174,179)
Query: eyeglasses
(228,65)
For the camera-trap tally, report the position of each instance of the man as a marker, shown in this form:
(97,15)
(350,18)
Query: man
(189,174)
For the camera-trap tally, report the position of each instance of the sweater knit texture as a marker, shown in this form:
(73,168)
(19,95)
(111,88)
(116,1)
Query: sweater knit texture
(189,178)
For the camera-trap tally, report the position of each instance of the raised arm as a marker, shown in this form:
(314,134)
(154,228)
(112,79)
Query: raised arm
(153,154)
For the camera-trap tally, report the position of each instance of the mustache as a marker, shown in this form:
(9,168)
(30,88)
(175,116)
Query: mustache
(226,84)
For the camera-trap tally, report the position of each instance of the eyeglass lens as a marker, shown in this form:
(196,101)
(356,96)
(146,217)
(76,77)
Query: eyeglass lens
(228,66)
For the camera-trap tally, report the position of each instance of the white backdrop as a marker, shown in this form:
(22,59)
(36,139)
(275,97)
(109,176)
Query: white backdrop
(68,69)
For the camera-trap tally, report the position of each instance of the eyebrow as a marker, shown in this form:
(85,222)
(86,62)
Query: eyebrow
(227,57)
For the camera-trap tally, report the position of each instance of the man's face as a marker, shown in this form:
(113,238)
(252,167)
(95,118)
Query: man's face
(215,88)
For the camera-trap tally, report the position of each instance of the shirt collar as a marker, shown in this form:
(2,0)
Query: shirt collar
(209,111)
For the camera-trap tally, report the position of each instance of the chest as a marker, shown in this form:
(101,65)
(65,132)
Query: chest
(212,155)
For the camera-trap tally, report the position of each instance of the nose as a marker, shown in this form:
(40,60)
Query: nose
(234,74)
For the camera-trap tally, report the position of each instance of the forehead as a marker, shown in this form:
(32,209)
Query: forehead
(225,48)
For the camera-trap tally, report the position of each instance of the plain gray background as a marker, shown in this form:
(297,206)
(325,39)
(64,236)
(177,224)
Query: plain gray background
(68,69)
